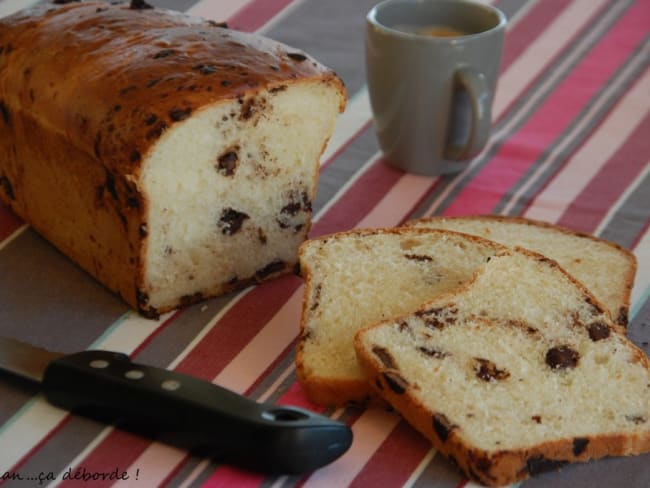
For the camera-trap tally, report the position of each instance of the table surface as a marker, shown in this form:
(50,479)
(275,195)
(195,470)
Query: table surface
(570,145)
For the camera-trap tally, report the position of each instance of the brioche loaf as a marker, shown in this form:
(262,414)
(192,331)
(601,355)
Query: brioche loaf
(172,158)
(604,267)
(360,277)
(522,370)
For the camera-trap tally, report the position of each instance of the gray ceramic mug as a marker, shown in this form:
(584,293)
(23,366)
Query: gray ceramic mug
(431,96)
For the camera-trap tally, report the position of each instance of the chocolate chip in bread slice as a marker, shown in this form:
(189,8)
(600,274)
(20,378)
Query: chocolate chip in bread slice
(360,277)
(604,267)
(520,371)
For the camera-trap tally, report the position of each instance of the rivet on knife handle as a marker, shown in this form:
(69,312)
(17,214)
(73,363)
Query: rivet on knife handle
(194,414)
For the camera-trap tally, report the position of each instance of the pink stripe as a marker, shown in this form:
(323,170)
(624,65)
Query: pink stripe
(530,27)
(9,222)
(404,444)
(553,118)
(586,211)
(257,13)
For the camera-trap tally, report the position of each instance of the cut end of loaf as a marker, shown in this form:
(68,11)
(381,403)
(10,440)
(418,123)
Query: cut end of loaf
(230,192)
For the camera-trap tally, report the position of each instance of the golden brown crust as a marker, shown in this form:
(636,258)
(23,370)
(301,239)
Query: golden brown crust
(86,91)
(619,316)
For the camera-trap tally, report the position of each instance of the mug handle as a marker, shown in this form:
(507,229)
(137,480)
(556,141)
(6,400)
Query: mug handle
(475,85)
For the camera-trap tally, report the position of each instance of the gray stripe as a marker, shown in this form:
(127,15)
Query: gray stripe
(638,330)
(78,434)
(38,282)
(439,473)
(631,217)
(340,46)
(179,5)
(594,112)
(525,107)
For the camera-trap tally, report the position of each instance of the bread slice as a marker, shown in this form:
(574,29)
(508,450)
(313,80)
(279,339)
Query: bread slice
(604,267)
(170,157)
(360,277)
(521,371)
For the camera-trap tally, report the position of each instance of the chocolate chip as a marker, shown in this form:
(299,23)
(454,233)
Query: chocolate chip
(178,114)
(135,156)
(156,131)
(212,23)
(432,352)
(622,316)
(231,221)
(4,111)
(537,418)
(227,162)
(142,297)
(109,183)
(442,426)
(187,300)
(6,186)
(226,83)
(384,356)
(139,5)
(595,308)
(205,69)
(598,331)
(144,231)
(562,357)
(540,464)
(151,119)
(418,257)
(486,370)
(297,56)
(261,236)
(273,267)
(579,445)
(316,297)
(291,208)
(637,419)
(395,381)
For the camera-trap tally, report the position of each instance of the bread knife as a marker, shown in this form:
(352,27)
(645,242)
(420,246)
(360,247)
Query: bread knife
(179,409)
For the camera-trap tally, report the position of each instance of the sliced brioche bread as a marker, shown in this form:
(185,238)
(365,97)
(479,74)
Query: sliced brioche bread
(360,277)
(520,371)
(604,267)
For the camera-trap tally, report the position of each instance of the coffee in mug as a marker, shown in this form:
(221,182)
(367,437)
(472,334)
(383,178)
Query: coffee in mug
(432,68)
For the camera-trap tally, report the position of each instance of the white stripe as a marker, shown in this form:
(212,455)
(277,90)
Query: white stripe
(370,430)
(217,11)
(584,165)
(417,472)
(602,143)
(13,235)
(8,7)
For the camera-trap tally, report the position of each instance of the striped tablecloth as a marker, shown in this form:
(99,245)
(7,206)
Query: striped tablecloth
(571,145)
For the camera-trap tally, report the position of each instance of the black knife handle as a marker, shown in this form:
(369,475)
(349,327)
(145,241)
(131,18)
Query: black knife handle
(194,414)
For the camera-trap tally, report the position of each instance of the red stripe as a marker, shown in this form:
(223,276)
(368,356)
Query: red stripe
(104,455)
(255,14)
(587,210)
(529,28)
(404,449)
(237,327)
(358,200)
(9,222)
(553,118)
